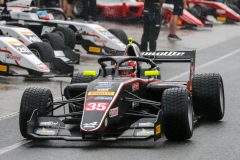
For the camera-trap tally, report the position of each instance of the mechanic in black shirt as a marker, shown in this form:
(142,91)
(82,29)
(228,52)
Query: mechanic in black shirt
(152,24)
(89,9)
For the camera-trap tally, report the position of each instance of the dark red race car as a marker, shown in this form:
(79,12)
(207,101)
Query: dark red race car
(113,8)
(218,10)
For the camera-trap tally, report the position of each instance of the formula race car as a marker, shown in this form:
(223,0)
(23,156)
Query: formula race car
(90,38)
(59,60)
(220,11)
(127,101)
(113,8)
(185,20)
(14,53)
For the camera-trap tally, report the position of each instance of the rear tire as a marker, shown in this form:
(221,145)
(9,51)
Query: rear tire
(68,35)
(208,96)
(79,78)
(33,98)
(120,34)
(55,40)
(177,114)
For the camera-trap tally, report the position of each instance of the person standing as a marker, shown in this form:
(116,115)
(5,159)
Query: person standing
(152,24)
(67,7)
(89,9)
(179,5)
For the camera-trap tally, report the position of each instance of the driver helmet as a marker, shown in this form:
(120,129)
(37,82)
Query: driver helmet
(128,69)
(44,15)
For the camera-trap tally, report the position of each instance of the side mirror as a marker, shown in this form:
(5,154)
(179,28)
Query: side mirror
(151,73)
(89,73)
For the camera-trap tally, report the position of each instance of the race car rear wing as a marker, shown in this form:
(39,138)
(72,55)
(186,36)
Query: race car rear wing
(173,57)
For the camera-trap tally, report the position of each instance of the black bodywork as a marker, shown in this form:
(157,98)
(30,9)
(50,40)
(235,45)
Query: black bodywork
(112,107)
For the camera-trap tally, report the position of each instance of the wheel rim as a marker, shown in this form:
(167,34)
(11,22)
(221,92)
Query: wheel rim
(36,53)
(78,8)
(190,116)
(221,97)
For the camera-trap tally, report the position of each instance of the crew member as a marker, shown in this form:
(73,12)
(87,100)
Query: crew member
(152,24)
(90,9)
(179,5)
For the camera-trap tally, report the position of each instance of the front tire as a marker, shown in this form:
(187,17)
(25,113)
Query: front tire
(33,99)
(177,114)
(120,34)
(208,96)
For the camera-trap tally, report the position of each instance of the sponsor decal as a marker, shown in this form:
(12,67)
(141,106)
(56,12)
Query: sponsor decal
(163,53)
(27,33)
(101,93)
(96,106)
(90,125)
(48,124)
(135,87)
(3,68)
(103,89)
(105,84)
(221,19)
(113,112)
(146,124)
(158,129)
(15,42)
(144,132)
(12,57)
(45,132)
(100,98)
(95,49)
(103,98)
(22,49)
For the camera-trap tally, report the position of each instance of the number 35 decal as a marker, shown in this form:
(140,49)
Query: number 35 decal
(96,106)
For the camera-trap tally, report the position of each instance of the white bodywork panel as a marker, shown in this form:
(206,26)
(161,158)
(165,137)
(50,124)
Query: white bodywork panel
(24,35)
(93,32)
(14,52)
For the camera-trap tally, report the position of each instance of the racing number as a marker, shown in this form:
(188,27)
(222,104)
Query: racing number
(96,106)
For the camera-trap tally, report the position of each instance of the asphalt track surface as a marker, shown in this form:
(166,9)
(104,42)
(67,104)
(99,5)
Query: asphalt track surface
(218,51)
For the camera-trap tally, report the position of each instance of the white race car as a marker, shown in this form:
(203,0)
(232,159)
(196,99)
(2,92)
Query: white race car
(14,53)
(55,59)
(90,38)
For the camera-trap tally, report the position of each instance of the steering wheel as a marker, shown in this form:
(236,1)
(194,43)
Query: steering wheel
(102,60)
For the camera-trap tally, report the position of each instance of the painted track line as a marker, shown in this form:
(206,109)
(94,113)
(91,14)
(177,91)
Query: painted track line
(14,146)
(23,142)
(9,116)
(206,64)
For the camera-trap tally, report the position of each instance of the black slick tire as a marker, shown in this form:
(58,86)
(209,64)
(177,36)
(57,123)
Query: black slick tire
(120,34)
(68,35)
(177,114)
(80,78)
(33,98)
(55,40)
(208,96)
